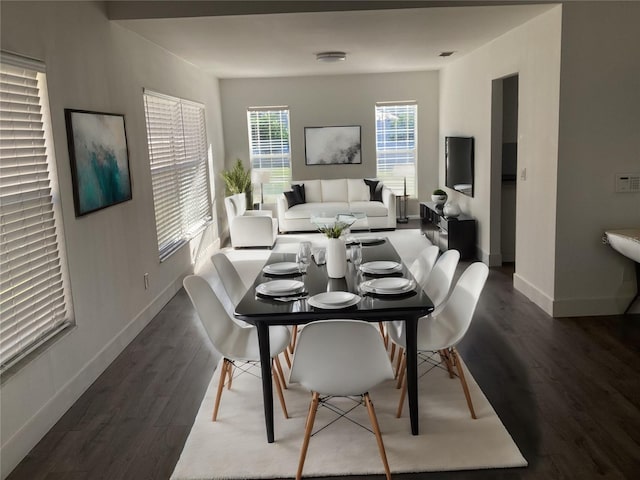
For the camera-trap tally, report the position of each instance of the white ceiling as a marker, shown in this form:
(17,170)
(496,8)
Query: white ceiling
(285,44)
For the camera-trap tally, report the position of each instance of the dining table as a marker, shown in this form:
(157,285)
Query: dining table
(264,312)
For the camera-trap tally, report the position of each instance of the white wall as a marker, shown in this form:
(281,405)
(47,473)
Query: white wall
(96,65)
(533,51)
(336,100)
(599,137)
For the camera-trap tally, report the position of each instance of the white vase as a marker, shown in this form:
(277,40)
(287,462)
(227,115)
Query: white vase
(336,258)
(451,209)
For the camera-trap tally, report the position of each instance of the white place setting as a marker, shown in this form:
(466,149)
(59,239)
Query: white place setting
(334,300)
(382,267)
(282,268)
(388,286)
(279,288)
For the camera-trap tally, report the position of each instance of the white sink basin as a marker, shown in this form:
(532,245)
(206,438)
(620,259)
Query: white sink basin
(626,242)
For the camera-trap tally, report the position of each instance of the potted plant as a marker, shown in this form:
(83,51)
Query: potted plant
(238,180)
(336,249)
(439,196)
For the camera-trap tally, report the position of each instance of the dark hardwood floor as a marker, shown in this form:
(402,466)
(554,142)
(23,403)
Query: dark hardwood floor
(568,391)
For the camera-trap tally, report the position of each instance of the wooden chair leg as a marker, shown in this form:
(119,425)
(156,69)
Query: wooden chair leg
(456,360)
(403,395)
(294,336)
(399,362)
(276,360)
(223,375)
(393,352)
(287,358)
(376,430)
(230,374)
(313,408)
(385,338)
(444,355)
(400,370)
(279,390)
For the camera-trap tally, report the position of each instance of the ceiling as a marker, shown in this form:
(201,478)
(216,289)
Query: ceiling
(285,44)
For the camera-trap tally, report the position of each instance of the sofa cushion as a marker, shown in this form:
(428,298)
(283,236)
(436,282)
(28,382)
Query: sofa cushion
(358,190)
(334,190)
(375,189)
(372,209)
(293,198)
(312,190)
(305,210)
(299,189)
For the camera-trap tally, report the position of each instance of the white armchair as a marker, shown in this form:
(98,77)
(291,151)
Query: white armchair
(249,228)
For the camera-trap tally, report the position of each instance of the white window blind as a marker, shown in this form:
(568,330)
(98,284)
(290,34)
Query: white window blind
(34,302)
(397,146)
(269,147)
(177,138)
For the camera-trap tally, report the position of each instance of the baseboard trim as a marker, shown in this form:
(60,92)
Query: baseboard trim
(589,307)
(533,293)
(21,443)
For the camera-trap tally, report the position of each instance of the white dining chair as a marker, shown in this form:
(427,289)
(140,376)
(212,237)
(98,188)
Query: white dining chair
(423,264)
(235,289)
(444,328)
(420,269)
(233,342)
(340,358)
(439,280)
(229,277)
(437,286)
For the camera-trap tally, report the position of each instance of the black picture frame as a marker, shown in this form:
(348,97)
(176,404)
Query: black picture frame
(99,157)
(333,145)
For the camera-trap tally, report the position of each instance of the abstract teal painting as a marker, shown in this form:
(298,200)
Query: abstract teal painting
(99,160)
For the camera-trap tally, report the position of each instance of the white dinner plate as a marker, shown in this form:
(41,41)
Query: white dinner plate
(388,286)
(380,267)
(275,288)
(333,300)
(281,268)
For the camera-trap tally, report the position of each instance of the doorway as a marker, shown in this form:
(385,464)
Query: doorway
(504,166)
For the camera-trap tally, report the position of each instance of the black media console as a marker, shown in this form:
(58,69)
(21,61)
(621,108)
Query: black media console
(449,233)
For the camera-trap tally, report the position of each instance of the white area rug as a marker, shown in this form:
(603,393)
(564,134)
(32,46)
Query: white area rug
(235,446)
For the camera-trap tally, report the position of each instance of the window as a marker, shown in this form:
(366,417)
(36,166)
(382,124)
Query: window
(177,138)
(397,146)
(269,147)
(34,300)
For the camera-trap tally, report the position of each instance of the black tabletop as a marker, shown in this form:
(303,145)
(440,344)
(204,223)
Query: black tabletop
(253,308)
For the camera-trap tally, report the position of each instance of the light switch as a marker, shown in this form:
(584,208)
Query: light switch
(627,182)
(523,174)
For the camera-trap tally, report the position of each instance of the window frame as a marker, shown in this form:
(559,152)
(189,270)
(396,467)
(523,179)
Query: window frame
(16,117)
(172,182)
(277,183)
(406,181)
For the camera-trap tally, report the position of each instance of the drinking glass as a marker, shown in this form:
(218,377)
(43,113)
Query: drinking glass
(320,256)
(304,256)
(356,255)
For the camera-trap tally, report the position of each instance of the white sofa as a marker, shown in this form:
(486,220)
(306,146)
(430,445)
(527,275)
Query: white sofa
(249,228)
(337,196)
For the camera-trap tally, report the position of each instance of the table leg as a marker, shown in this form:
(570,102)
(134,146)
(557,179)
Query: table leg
(412,371)
(267,386)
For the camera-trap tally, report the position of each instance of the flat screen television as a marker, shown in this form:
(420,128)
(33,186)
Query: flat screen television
(458,152)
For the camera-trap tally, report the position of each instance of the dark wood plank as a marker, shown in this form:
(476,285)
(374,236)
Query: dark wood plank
(567,390)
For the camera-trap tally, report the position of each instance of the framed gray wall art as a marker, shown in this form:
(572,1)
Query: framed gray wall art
(332,145)
(99,160)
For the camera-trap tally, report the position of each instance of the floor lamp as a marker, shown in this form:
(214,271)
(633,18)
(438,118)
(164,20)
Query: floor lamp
(260,177)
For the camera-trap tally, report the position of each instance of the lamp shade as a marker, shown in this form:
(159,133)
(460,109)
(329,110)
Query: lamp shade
(259,177)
